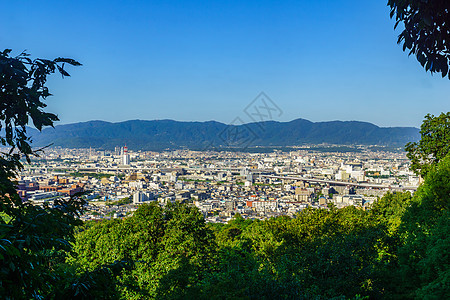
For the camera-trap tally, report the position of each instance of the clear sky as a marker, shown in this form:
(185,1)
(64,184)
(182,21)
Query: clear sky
(206,60)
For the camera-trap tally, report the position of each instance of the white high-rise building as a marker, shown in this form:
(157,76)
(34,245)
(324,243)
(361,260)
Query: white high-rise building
(125,156)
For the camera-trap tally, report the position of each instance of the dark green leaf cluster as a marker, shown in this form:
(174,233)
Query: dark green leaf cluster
(424,254)
(433,146)
(22,92)
(33,239)
(426,31)
(22,95)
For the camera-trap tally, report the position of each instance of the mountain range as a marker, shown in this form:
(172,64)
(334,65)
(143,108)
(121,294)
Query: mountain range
(169,134)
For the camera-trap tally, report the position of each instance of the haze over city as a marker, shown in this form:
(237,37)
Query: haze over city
(199,61)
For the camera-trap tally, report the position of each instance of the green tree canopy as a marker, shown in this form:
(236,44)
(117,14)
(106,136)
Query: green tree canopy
(433,146)
(424,254)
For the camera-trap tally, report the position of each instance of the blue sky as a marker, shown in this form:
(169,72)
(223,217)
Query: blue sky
(206,60)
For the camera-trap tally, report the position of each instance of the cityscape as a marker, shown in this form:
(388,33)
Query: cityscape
(219,184)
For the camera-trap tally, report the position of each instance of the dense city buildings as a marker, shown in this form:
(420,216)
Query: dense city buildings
(220,184)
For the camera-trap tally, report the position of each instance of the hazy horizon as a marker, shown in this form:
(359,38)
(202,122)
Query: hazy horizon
(204,121)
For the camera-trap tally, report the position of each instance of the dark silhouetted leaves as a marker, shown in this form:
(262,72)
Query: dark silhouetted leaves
(426,31)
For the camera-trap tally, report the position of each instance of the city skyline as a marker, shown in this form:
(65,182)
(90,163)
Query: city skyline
(207,61)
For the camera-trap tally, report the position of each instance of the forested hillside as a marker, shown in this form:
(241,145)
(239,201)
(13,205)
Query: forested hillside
(162,134)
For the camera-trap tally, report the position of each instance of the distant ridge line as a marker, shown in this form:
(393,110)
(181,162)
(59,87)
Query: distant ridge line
(170,134)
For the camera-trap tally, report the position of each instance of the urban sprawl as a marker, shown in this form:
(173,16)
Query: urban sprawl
(219,184)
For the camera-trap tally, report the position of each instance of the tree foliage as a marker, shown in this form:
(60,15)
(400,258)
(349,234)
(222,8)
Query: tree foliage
(321,253)
(433,146)
(32,245)
(32,238)
(22,95)
(424,255)
(169,248)
(426,32)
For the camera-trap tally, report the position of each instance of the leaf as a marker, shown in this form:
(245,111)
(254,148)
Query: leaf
(67,60)
(62,71)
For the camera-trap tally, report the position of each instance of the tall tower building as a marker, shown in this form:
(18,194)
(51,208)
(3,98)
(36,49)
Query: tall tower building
(125,156)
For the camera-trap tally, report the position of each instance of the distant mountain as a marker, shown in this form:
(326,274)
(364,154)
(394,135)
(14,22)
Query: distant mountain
(163,134)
